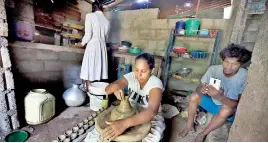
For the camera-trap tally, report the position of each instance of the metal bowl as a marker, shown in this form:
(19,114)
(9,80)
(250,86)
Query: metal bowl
(184,71)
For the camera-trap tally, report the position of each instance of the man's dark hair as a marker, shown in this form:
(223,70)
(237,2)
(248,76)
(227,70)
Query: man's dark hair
(236,51)
(96,6)
(147,57)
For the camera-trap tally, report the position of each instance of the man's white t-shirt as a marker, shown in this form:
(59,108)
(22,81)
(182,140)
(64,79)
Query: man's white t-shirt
(138,97)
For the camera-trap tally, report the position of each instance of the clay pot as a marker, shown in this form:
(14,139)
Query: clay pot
(91,123)
(85,121)
(68,133)
(94,115)
(61,137)
(86,127)
(75,129)
(67,140)
(81,131)
(73,136)
(124,110)
(89,118)
(80,125)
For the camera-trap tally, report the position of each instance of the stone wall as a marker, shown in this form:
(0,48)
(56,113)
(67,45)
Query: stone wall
(51,67)
(251,31)
(145,30)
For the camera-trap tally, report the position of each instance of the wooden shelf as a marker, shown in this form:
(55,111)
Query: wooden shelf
(194,36)
(45,27)
(71,36)
(72,25)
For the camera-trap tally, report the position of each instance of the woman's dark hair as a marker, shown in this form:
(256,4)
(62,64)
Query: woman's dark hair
(236,51)
(96,6)
(147,57)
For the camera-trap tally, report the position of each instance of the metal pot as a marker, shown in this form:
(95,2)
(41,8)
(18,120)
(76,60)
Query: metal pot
(74,96)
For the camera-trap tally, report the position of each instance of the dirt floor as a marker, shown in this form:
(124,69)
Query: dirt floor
(177,124)
(58,125)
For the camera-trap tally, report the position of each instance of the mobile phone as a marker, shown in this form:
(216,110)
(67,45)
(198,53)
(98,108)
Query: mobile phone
(215,83)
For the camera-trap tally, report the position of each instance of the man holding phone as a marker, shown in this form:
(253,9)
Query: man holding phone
(220,90)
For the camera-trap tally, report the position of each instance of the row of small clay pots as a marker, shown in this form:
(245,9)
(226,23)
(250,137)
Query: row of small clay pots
(79,129)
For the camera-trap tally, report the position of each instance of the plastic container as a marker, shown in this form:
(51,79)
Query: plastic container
(180,25)
(97,96)
(23,30)
(135,50)
(39,106)
(17,136)
(192,26)
(57,39)
(204,33)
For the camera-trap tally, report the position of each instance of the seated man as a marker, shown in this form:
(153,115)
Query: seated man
(223,102)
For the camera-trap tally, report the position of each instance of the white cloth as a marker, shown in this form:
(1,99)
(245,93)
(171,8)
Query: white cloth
(95,64)
(139,98)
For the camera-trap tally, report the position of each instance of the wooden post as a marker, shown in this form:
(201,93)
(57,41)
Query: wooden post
(197,8)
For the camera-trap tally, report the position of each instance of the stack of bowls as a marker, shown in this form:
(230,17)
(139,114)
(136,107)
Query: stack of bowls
(125,45)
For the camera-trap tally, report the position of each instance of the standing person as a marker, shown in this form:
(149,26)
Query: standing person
(223,102)
(95,64)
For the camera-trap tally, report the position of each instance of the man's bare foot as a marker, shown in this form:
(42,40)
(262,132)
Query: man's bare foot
(200,138)
(185,131)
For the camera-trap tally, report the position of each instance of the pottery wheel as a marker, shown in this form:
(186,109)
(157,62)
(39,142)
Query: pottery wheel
(132,134)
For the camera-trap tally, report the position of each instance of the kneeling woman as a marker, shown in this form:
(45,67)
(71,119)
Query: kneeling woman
(145,92)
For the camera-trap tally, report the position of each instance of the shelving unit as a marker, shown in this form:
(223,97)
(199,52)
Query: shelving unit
(192,80)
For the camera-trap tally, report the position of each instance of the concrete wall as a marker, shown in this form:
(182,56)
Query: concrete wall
(145,30)
(251,31)
(251,118)
(51,67)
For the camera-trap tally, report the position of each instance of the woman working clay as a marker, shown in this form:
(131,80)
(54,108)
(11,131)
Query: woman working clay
(145,92)
(95,65)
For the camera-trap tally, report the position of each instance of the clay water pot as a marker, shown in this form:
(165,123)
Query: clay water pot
(124,110)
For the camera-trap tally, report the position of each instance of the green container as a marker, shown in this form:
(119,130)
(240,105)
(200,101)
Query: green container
(192,26)
(134,50)
(17,136)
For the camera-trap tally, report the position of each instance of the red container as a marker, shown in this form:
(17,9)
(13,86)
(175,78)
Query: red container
(180,50)
(23,30)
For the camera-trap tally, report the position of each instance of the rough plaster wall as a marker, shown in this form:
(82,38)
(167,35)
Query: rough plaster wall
(251,31)
(145,30)
(240,20)
(84,8)
(3,23)
(254,100)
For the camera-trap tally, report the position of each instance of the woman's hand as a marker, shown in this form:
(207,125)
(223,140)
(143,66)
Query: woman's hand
(120,95)
(79,46)
(114,129)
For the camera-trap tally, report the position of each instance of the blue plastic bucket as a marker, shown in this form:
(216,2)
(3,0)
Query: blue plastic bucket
(179,25)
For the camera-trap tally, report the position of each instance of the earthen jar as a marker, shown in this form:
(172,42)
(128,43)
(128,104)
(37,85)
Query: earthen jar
(124,110)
